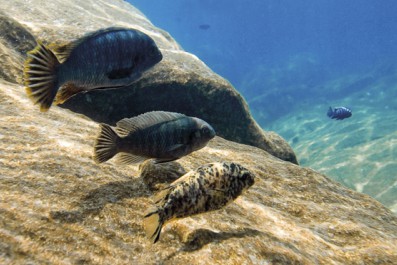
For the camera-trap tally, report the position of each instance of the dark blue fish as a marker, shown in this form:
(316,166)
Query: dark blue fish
(164,136)
(339,113)
(107,58)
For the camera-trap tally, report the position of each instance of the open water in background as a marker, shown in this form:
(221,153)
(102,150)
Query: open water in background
(291,60)
(262,45)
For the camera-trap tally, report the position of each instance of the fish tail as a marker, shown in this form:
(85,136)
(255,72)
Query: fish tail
(330,112)
(40,76)
(106,144)
(153,224)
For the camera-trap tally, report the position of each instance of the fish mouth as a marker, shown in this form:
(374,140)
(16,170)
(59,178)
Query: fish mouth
(212,133)
(158,56)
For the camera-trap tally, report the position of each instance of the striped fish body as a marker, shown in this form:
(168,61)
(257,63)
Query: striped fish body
(208,188)
(164,136)
(166,140)
(109,58)
(339,113)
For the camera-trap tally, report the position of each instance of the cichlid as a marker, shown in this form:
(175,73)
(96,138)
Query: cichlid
(209,187)
(165,136)
(107,58)
(339,113)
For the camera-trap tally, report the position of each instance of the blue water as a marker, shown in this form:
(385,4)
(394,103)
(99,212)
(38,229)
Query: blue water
(281,47)
(293,59)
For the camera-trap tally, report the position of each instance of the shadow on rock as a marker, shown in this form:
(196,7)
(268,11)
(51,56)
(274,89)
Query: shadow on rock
(159,176)
(95,200)
(201,237)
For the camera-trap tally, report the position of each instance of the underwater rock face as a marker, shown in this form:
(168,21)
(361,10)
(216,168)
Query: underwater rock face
(58,207)
(15,42)
(179,83)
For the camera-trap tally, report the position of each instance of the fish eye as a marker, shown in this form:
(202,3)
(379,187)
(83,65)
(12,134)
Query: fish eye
(205,130)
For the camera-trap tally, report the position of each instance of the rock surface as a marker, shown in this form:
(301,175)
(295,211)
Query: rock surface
(180,83)
(58,207)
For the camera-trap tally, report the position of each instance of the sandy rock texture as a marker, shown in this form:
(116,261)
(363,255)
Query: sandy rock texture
(180,83)
(58,207)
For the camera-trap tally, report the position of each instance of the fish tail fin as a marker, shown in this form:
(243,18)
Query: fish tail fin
(153,224)
(106,144)
(330,112)
(40,76)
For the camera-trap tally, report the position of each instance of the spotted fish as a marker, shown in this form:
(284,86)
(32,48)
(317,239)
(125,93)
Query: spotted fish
(107,58)
(208,188)
(164,136)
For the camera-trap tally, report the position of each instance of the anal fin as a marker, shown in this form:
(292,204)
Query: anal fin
(162,194)
(128,159)
(67,91)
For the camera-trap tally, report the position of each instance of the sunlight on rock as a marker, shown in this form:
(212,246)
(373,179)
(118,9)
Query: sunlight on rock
(57,206)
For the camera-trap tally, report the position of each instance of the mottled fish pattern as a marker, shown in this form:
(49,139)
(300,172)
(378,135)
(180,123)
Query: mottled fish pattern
(208,188)
(339,113)
(164,136)
(107,58)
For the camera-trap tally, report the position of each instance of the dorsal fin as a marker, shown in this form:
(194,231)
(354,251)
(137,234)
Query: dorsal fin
(163,193)
(63,50)
(58,48)
(125,126)
(160,196)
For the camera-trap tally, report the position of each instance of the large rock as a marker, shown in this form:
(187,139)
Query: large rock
(180,83)
(58,207)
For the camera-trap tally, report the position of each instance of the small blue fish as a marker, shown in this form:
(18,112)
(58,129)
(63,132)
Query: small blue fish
(339,113)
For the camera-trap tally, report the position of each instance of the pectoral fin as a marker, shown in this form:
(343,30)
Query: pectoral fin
(172,150)
(216,192)
(162,194)
(175,147)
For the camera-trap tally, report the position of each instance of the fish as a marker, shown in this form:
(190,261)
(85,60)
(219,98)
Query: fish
(208,188)
(204,26)
(339,113)
(163,136)
(108,58)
